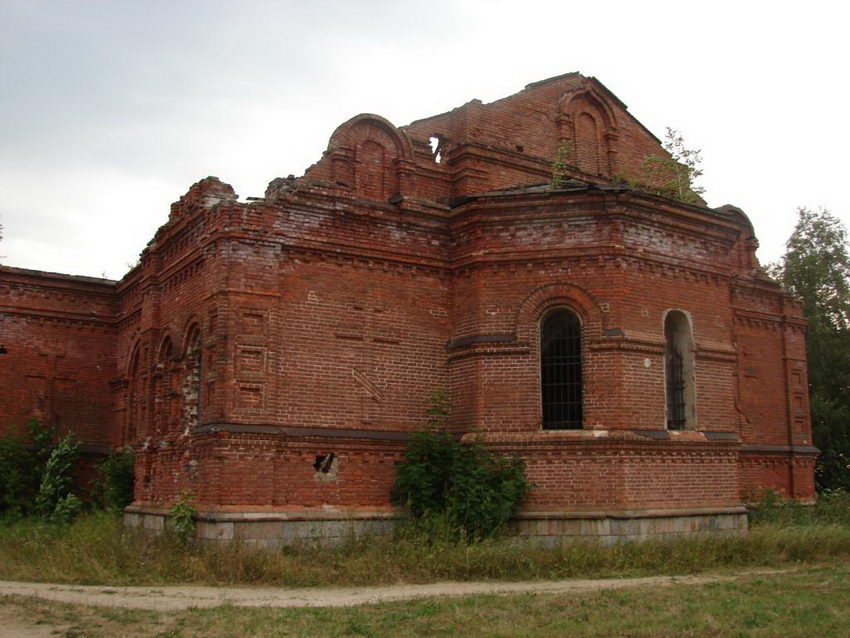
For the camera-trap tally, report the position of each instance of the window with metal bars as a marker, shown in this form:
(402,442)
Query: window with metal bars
(560,370)
(675,388)
(678,371)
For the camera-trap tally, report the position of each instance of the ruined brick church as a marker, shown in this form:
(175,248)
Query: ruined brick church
(271,357)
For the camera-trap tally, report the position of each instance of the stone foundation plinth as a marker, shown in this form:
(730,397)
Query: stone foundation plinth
(278,529)
(608,527)
(270,529)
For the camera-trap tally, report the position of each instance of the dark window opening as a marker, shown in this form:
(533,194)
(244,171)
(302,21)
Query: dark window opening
(675,387)
(324,462)
(679,372)
(560,371)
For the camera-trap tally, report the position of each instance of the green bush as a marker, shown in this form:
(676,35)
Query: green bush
(831,508)
(461,488)
(36,472)
(53,501)
(18,481)
(23,461)
(67,509)
(117,478)
(182,518)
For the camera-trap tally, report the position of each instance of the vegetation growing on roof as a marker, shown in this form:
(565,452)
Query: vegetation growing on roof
(673,175)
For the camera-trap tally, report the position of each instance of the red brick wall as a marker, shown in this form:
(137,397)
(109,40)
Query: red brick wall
(59,336)
(515,140)
(222,470)
(254,337)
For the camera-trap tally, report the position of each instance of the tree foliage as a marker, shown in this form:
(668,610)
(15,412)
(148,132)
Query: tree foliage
(816,269)
(471,490)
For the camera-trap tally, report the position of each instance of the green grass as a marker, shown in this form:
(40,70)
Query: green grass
(97,549)
(812,602)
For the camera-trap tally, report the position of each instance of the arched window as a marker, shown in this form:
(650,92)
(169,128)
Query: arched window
(560,370)
(679,371)
(192,380)
(134,398)
(162,385)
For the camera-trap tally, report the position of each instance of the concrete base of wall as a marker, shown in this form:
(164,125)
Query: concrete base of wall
(608,527)
(278,529)
(271,529)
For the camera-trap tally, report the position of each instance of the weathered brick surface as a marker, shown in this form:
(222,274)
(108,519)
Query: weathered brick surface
(275,354)
(59,336)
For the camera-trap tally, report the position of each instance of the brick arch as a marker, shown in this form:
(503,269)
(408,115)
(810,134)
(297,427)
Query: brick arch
(133,394)
(586,119)
(368,154)
(134,357)
(368,126)
(553,295)
(133,339)
(190,333)
(166,340)
(191,375)
(574,102)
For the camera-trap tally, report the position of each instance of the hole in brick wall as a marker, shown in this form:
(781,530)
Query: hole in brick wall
(3,350)
(324,462)
(520,148)
(436,148)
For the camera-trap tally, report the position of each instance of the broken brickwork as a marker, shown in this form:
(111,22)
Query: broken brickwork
(275,355)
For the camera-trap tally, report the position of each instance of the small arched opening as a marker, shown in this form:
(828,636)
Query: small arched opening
(679,372)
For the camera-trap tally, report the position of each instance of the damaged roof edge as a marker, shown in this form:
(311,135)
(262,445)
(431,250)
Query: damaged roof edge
(101,281)
(552,79)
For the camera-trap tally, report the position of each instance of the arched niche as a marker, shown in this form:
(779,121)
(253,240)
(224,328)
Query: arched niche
(164,391)
(587,124)
(191,382)
(368,154)
(135,395)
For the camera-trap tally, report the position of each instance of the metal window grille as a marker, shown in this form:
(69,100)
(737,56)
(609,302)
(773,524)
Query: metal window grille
(675,387)
(560,371)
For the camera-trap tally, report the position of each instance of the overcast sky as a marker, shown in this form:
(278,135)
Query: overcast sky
(110,110)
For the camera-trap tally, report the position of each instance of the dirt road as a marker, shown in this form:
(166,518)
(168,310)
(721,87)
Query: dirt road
(171,598)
